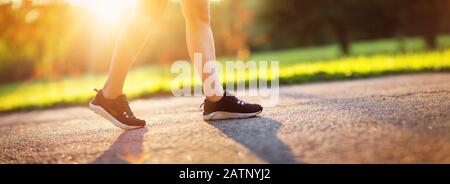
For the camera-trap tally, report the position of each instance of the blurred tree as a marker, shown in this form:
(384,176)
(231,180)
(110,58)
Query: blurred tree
(423,17)
(303,22)
(296,23)
(338,16)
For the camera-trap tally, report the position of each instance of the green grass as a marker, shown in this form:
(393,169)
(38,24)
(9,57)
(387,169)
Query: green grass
(332,51)
(296,66)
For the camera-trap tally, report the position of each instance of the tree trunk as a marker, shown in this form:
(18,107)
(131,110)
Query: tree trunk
(342,36)
(430,40)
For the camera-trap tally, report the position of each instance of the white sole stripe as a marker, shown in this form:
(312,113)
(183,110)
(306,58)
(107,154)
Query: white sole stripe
(222,115)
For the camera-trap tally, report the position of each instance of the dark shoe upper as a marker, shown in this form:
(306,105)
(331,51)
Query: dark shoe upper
(230,103)
(118,108)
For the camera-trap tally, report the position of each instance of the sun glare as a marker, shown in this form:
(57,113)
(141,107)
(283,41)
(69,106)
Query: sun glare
(107,11)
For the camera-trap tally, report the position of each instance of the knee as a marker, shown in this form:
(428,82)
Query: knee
(196,13)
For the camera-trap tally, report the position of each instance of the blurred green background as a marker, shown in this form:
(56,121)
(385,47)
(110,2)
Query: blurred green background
(53,52)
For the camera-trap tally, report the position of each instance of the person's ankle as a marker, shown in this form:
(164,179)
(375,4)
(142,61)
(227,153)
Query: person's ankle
(214,98)
(108,95)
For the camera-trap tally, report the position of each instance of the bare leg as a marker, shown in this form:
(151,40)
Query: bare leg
(130,42)
(199,36)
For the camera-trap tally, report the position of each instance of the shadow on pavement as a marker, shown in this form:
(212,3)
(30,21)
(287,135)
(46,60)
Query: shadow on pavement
(259,135)
(128,148)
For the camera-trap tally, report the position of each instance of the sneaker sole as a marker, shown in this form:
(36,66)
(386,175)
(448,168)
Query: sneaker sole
(102,112)
(221,115)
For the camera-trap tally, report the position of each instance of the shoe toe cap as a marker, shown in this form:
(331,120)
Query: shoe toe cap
(136,122)
(255,108)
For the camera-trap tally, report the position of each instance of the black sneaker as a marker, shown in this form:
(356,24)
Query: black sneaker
(117,111)
(229,107)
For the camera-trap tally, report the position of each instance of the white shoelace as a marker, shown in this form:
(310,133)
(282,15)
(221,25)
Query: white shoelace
(240,102)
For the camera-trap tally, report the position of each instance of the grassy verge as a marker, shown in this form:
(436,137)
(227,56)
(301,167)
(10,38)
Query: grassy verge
(151,80)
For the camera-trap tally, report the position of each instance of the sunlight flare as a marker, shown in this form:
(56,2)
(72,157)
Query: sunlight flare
(107,11)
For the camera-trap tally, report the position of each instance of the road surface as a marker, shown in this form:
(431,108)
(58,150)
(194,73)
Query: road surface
(393,119)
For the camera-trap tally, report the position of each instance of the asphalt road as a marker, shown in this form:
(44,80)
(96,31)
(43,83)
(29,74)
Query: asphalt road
(393,119)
